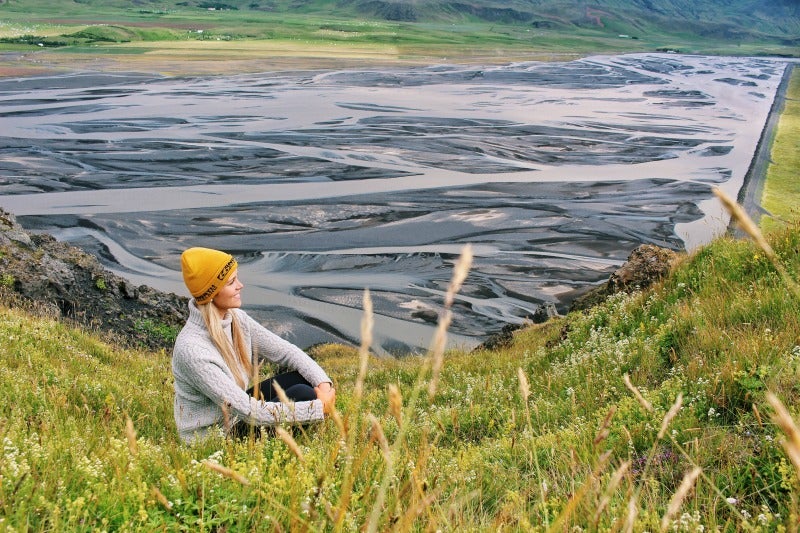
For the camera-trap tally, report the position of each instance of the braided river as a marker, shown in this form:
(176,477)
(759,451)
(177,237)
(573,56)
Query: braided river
(324,183)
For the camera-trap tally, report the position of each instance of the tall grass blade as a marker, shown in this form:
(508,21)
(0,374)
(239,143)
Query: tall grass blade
(579,494)
(525,391)
(603,431)
(636,394)
(787,424)
(348,433)
(227,472)
(396,403)
(159,496)
(287,438)
(680,495)
(672,413)
(435,361)
(283,398)
(748,226)
(131,434)
(633,513)
(367,322)
(377,434)
(744,221)
(440,337)
(616,478)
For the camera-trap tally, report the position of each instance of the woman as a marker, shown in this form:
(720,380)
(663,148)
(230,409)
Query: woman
(217,350)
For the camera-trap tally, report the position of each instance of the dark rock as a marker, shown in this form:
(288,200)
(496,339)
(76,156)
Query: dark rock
(68,282)
(543,313)
(646,265)
(502,339)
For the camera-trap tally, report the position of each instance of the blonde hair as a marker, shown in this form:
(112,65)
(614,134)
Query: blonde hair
(235,355)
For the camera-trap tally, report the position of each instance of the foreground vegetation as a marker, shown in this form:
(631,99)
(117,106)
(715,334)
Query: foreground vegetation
(649,412)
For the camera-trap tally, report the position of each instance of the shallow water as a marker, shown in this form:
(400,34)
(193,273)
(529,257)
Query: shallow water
(326,183)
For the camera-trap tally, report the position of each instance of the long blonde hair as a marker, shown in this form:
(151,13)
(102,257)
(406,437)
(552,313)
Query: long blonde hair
(236,355)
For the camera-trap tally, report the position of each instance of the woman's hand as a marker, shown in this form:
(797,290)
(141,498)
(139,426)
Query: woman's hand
(327,395)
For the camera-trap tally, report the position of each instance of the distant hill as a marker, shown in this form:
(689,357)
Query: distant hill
(729,19)
(439,27)
(733,20)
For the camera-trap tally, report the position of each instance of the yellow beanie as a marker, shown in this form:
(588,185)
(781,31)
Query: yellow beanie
(205,271)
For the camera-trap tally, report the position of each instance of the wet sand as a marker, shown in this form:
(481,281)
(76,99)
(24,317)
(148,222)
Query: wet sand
(326,183)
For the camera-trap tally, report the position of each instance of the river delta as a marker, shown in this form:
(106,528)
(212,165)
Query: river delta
(324,183)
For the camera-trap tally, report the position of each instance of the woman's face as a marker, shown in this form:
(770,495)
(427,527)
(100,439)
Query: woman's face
(229,296)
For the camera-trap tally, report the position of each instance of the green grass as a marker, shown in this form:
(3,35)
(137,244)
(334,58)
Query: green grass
(781,195)
(543,433)
(77,24)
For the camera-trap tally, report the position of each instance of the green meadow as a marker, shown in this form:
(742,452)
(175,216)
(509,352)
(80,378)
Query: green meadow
(168,39)
(670,409)
(781,196)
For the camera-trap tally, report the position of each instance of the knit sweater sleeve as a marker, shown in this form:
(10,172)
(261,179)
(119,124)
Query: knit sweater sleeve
(269,346)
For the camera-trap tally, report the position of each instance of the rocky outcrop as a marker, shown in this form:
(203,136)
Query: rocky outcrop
(69,283)
(645,265)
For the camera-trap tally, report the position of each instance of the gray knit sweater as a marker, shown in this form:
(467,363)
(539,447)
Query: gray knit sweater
(204,383)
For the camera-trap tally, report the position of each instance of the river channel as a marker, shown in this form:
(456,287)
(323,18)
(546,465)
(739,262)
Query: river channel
(323,184)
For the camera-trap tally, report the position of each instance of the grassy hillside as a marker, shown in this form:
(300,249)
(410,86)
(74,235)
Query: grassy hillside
(93,31)
(781,195)
(731,18)
(649,411)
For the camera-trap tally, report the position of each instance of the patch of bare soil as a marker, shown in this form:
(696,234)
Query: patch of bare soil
(206,62)
(9,71)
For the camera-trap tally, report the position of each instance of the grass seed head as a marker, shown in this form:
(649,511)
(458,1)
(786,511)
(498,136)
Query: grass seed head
(287,438)
(672,413)
(378,435)
(367,322)
(787,424)
(396,403)
(744,221)
(524,386)
(131,434)
(227,472)
(638,395)
(677,499)
(158,495)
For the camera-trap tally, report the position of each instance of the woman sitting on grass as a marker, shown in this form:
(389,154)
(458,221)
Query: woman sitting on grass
(218,348)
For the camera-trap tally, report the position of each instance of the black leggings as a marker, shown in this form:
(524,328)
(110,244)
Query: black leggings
(293,384)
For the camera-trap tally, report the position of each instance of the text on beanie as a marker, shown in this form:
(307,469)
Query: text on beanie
(205,272)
